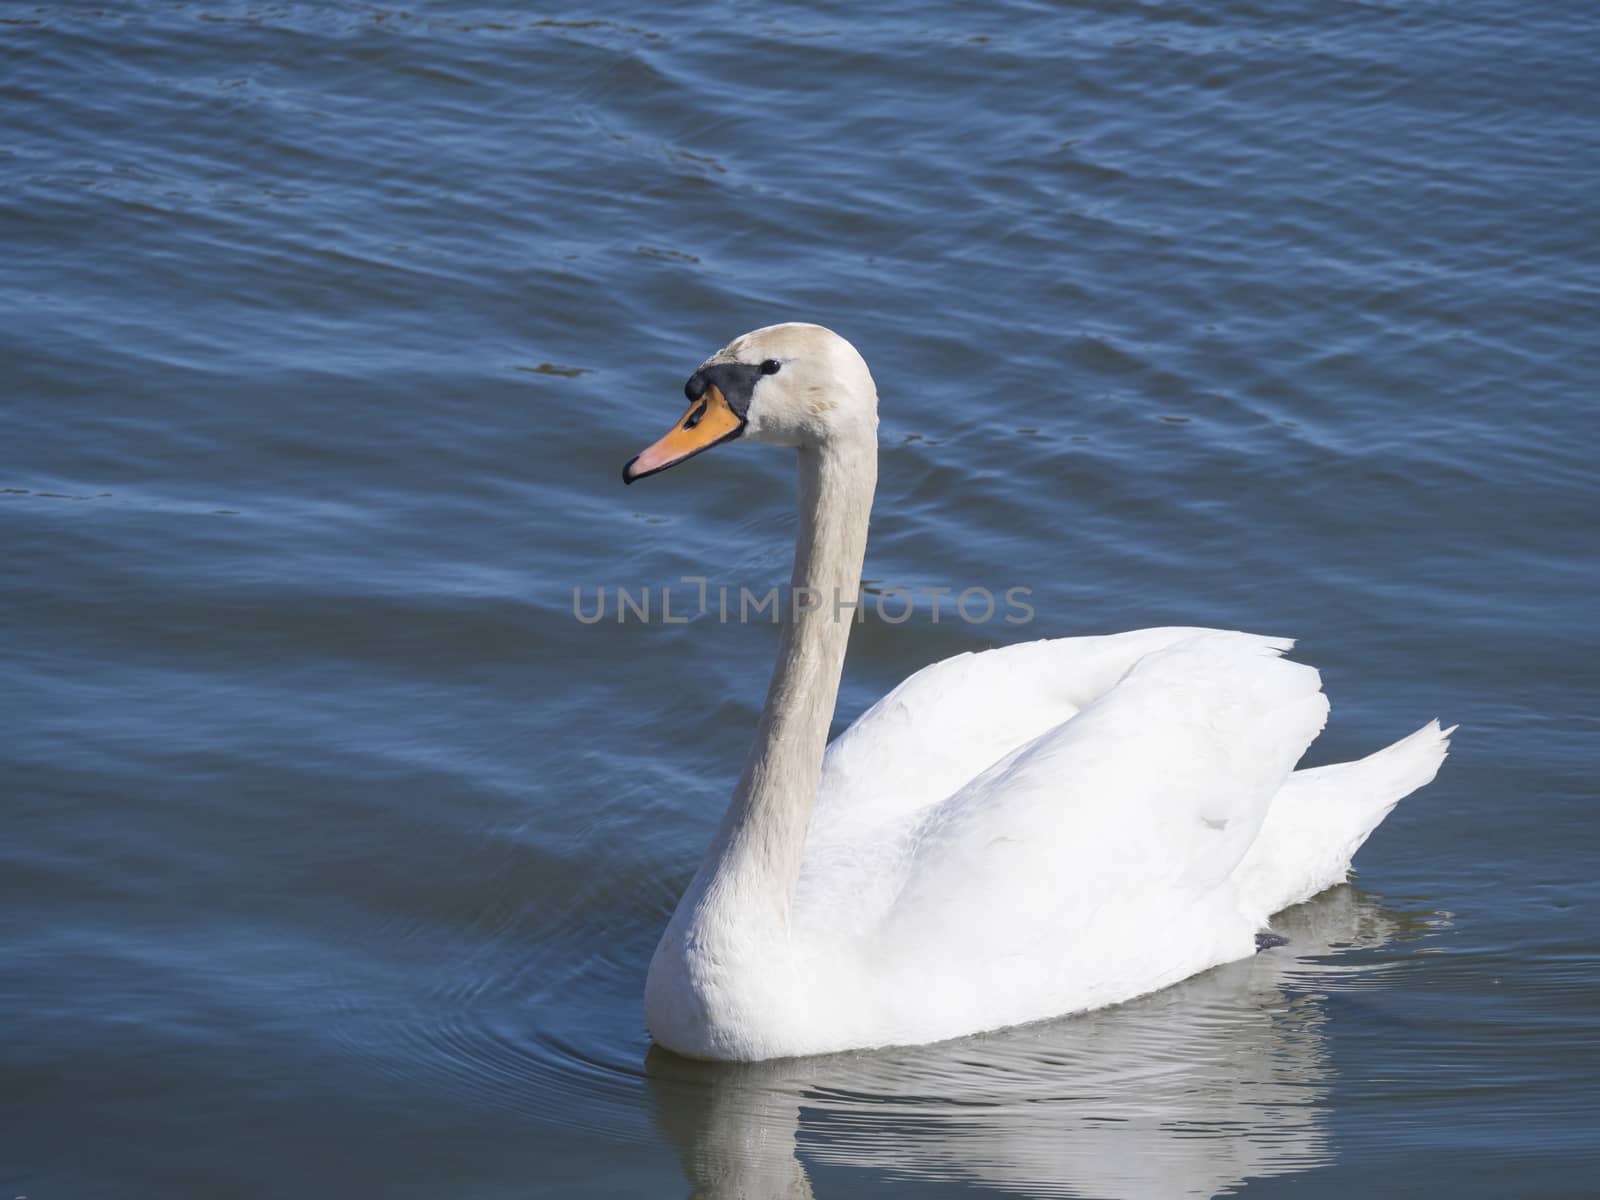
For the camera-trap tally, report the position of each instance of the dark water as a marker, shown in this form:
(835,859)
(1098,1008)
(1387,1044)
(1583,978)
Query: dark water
(334,847)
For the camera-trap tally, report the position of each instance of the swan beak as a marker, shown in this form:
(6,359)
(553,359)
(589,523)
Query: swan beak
(709,420)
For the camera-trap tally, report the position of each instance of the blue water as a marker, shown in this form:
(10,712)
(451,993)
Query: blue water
(334,846)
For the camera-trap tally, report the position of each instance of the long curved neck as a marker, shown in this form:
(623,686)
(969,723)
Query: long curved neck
(755,857)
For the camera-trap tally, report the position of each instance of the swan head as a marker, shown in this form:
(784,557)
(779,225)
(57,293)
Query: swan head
(785,385)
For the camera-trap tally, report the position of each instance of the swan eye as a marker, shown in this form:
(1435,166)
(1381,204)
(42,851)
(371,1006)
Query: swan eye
(771,366)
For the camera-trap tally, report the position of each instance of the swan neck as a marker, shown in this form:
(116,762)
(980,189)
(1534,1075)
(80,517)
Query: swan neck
(763,836)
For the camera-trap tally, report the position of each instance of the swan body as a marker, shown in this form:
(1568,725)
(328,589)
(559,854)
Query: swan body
(1007,836)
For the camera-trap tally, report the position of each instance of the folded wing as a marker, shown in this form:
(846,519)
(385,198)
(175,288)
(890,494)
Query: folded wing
(953,719)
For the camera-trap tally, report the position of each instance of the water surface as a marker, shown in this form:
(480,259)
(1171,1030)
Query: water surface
(335,847)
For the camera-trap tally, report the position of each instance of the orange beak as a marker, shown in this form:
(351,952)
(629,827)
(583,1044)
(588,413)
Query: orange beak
(708,421)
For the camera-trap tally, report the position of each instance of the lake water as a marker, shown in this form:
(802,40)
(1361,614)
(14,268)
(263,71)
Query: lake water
(334,846)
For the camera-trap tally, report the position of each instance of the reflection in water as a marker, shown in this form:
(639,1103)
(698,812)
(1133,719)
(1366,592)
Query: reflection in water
(1187,1092)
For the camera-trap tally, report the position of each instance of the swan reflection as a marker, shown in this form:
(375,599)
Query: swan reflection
(1187,1092)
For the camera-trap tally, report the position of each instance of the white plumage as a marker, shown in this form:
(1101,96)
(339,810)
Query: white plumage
(1058,825)
(1007,836)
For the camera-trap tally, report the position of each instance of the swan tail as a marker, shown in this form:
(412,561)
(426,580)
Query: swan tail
(1321,817)
(1393,773)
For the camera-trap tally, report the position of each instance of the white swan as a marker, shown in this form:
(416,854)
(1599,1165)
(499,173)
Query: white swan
(1007,836)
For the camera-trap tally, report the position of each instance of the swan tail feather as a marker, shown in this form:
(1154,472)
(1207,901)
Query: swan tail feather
(1322,816)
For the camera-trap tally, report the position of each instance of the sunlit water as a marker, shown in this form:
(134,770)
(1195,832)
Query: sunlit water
(334,847)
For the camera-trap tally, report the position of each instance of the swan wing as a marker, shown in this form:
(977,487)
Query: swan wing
(955,718)
(1134,811)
